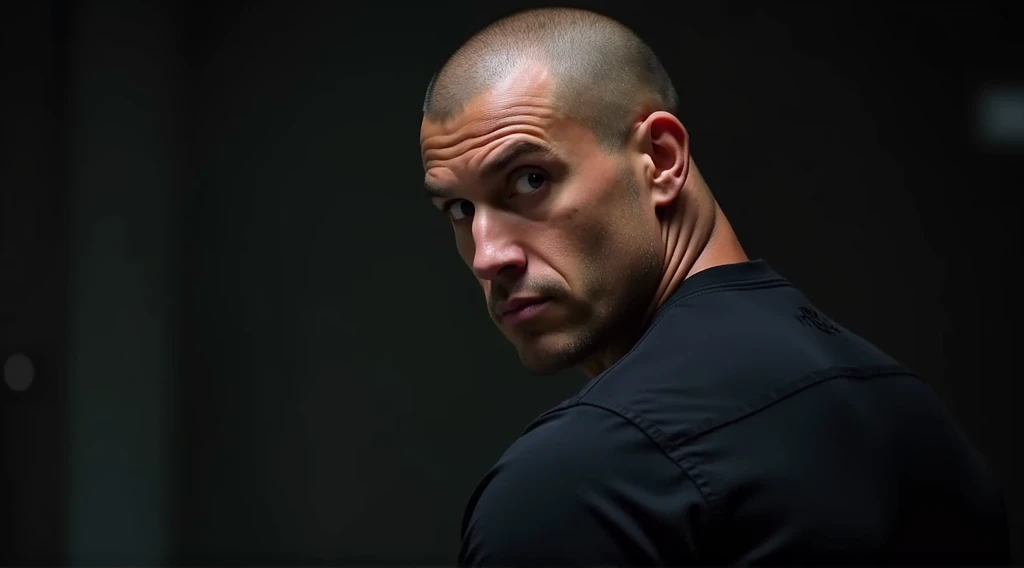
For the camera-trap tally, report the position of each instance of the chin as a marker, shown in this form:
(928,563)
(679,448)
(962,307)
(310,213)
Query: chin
(541,357)
(543,366)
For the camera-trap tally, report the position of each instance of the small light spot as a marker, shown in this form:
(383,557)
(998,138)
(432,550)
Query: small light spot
(19,372)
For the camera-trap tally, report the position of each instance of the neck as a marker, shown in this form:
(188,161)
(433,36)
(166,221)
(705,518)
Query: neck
(697,237)
(693,247)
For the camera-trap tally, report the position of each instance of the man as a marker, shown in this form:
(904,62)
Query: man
(727,419)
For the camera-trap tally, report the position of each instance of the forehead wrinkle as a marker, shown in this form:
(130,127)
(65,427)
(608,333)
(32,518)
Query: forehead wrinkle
(483,136)
(449,152)
(494,114)
(479,126)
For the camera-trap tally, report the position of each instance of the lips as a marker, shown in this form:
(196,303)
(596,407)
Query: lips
(513,305)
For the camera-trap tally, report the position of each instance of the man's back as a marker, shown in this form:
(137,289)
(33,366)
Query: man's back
(745,427)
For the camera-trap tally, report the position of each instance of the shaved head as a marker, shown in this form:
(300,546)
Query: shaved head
(605,76)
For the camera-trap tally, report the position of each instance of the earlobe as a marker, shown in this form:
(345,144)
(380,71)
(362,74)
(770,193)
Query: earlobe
(668,147)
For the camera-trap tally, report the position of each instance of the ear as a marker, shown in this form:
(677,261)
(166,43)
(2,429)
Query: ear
(666,146)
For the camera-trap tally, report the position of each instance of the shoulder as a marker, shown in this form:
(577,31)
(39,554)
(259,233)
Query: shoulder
(575,488)
(580,436)
(567,447)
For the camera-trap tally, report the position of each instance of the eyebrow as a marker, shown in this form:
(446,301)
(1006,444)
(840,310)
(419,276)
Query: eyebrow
(434,192)
(511,154)
(496,165)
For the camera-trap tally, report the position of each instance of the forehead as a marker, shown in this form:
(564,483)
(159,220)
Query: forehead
(519,106)
(530,84)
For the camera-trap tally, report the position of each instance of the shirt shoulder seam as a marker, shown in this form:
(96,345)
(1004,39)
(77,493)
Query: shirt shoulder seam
(675,448)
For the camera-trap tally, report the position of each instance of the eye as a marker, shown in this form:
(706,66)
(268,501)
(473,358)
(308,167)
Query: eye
(459,209)
(531,182)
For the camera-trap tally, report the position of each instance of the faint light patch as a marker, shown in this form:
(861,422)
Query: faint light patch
(1000,117)
(19,372)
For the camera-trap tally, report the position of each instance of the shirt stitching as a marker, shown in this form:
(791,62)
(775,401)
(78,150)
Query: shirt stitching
(675,449)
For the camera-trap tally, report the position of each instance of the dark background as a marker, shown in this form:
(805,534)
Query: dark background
(254,341)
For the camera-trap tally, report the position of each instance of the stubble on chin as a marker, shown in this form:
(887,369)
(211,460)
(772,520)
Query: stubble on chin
(543,356)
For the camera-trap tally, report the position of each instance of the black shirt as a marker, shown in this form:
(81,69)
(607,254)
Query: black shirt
(744,427)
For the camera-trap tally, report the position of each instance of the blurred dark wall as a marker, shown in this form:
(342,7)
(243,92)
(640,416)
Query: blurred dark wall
(33,278)
(254,340)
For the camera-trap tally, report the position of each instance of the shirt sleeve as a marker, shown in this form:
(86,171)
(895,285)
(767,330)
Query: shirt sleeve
(584,486)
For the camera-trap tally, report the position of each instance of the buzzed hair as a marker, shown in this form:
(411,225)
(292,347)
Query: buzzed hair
(604,73)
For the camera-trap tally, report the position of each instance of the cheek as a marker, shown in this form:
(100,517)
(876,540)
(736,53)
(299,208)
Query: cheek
(590,238)
(590,227)
(605,243)
(579,247)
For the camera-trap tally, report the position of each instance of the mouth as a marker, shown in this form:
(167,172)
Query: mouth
(519,310)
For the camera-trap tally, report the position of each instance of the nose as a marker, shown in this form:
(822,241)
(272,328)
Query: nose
(496,253)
